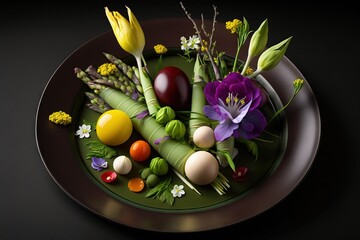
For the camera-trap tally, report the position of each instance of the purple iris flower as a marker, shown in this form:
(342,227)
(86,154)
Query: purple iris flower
(234,103)
(98,163)
(235,83)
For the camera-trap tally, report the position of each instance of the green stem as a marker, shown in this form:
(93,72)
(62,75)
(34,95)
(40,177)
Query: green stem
(282,109)
(237,56)
(198,101)
(254,74)
(149,94)
(225,151)
(246,65)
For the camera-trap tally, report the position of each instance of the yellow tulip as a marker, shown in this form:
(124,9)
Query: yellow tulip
(131,38)
(129,34)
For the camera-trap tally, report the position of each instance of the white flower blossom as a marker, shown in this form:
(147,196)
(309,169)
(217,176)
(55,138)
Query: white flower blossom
(84,131)
(178,190)
(184,44)
(193,42)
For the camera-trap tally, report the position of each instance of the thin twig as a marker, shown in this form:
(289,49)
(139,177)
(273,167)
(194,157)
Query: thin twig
(186,181)
(213,64)
(210,35)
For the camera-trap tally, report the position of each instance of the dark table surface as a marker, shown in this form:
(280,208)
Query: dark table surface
(35,38)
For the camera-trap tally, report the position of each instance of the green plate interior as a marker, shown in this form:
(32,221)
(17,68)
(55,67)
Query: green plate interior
(270,154)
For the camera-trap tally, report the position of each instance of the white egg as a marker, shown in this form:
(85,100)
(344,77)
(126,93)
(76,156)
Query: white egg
(204,137)
(122,165)
(201,168)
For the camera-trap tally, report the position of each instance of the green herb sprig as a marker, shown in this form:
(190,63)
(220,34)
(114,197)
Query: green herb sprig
(97,149)
(162,191)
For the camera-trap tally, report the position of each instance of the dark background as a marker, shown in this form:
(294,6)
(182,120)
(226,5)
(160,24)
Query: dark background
(36,37)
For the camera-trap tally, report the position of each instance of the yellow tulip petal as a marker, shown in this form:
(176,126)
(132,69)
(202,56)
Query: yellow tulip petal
(129,34)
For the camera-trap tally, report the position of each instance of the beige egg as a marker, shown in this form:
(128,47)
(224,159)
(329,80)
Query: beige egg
(122,165)
(201,168)
(204,137)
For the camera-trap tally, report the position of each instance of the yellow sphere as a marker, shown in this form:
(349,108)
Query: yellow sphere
(114,127)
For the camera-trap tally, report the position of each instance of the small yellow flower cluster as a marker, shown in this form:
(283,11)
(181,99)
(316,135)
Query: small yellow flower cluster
(204,46)
(160,49)
(249,71)
(60,117)
(298,82)
(233,25)
(107,69)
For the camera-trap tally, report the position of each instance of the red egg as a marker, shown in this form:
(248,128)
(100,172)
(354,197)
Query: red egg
(172,88)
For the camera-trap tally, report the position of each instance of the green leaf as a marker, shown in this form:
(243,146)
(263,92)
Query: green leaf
(97,149)
(252,148)
(153,192)
(228,157)
(162,191)
(167,197)
(230,160)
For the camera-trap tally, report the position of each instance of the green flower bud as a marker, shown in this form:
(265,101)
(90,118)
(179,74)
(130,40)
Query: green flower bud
(152,180)
(159,166)
(272,56)
(257,44)
(164,115)
(175,129)
(259,39)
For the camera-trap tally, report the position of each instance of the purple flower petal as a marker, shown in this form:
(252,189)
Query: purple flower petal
(243,111)
(222,92)
(252,125)
(247,126)
(241,87)
(212,112)
(142,115)
(135,95)
(98,163)
(224,113)
(159,140)
(224,130)
(233,78)
(209,92)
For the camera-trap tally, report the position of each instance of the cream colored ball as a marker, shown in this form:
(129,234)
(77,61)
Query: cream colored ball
(201,168)
(204,137)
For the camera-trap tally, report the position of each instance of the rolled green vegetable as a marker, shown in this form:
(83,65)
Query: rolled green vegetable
(198,101)
(175,152)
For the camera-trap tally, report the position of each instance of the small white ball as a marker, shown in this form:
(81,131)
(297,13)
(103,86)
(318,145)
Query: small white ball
(204,137)
(201,168)
(122,165)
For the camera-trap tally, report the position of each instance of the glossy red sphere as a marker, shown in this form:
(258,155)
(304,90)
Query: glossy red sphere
(172,88)
(109,176)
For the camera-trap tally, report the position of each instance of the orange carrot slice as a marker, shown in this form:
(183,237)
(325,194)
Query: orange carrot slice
(136,184)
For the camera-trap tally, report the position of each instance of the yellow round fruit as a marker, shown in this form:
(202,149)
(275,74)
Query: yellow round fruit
(114,127)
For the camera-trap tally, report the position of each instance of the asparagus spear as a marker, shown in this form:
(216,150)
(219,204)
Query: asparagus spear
(89,76)
(126,69)
(97,103)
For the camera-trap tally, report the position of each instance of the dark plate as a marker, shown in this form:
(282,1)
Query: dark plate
(60,156)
